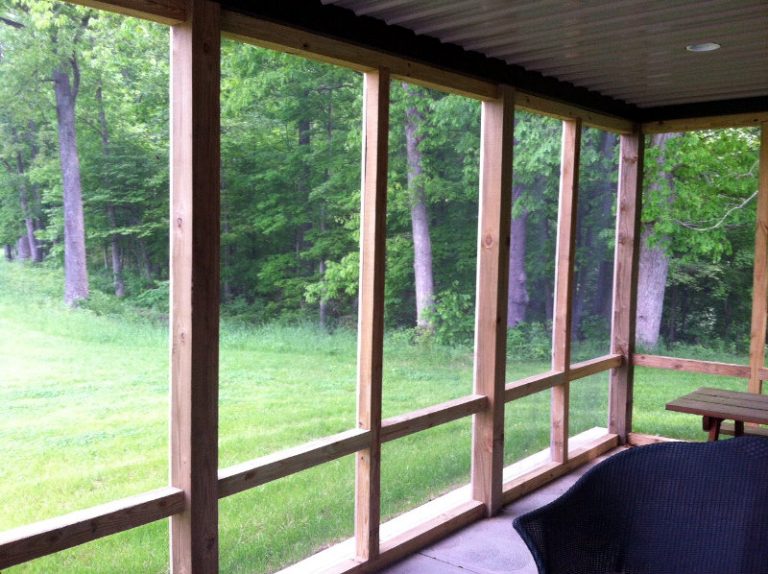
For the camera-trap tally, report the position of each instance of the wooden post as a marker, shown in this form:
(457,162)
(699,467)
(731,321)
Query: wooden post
(629,206)
(496,141)
(760,280)
(566,241)
(195,161)
(373,221)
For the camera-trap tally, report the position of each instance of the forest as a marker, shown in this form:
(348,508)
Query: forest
(84,184)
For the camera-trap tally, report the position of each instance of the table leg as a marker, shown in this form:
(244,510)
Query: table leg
(714,428)
(706,422)
(738,428)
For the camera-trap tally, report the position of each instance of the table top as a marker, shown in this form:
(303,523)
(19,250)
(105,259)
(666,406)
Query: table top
(720,404)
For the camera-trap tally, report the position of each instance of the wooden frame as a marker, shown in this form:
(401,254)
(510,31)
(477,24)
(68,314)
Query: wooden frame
(49,536)
(760,280)
(566,242)
(373,230)
(496,135)
(192,499)
(195,191)
(625,271)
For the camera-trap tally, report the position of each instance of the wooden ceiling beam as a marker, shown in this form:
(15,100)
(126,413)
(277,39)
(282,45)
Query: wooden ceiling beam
(164,11)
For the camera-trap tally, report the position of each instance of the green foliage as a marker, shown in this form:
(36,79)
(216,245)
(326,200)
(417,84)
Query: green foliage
(532,341)
(453,317)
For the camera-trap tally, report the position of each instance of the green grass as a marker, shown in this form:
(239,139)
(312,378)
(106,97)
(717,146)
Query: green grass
(84,420)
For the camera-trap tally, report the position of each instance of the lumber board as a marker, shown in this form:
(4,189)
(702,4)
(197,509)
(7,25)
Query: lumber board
(373,222)
(706,123)
(246,475)
(429,417)
(533,384)
(760,272)
(625,274)
(693,366)
(162,11)
(48,536)
(496,136)
(595,366)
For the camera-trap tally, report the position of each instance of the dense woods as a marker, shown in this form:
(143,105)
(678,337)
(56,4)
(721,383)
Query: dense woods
(84,185)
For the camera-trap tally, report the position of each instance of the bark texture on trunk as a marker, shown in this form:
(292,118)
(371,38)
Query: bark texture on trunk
(8,252)
(517,297)
(114,238)
(22,248)
(422,244)
(75,269)
(653,268)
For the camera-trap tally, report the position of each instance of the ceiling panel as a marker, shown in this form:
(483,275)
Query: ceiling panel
(631,50)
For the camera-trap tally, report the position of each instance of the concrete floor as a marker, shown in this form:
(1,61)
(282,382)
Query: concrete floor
(489,546)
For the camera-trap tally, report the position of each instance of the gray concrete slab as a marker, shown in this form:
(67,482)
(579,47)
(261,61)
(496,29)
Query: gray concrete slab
(489,546)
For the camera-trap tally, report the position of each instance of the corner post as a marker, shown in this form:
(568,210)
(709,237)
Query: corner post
(625,269)
(563,305)
(373,234)
(195,191)
(760,278)
(497,142)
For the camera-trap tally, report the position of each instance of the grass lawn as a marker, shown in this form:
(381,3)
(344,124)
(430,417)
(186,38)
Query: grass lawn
(84,420)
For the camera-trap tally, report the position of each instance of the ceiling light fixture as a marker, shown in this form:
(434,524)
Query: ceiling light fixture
(703,47)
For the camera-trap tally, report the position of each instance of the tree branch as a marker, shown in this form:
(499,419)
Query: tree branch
(721,221)
(11,23)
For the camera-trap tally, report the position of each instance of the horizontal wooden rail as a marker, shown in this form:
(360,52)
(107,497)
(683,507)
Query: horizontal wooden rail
(695,366)
(533,384)
(594,366)
(49,536)
(409,423)
(265,469)
(706,123)
(563,111)
(248,29)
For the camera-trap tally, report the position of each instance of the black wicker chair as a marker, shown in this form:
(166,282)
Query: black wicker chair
(672,508)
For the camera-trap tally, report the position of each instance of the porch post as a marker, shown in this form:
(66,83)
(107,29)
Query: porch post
(496,141)
(195,161)
(561,328)
(629,207)
(373,233)
(760,279)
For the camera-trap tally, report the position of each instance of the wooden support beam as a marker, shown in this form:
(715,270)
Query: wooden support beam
(429,417)
(163,11)
(496,137)
(706,123)
(594,366)
(566,247)
(195,191)
(564,111)
(532,385)
(696,366)
(760,278)
(271,467)
(625,270)
(373,234)
(49,536)
(276,36)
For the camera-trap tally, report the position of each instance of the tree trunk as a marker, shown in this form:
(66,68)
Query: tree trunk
(653,267)
(517,298)
(8,252)
(422,245)
(22,248)
(75,269)
(114,238)
(29,219)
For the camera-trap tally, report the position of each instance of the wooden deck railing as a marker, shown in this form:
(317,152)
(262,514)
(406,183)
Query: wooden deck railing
(192,499)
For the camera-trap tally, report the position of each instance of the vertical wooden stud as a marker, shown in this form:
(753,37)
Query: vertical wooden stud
(629,206)
(496,141)
(195,161)
(373,231)
(760,279)
(566,242)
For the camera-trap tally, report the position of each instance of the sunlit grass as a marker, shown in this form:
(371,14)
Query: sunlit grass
(84,420)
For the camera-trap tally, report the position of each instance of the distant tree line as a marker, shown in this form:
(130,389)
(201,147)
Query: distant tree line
(84,185)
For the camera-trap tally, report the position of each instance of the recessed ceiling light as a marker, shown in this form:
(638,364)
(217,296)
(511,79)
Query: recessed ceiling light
(703,47)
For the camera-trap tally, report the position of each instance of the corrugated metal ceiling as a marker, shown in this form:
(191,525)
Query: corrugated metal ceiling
(631,50)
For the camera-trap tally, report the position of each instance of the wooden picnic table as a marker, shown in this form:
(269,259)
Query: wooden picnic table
(717,405)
